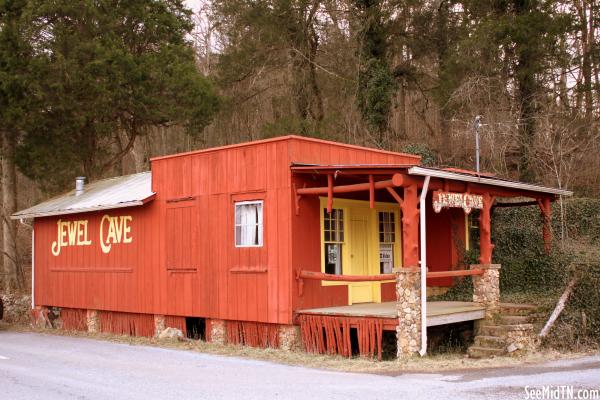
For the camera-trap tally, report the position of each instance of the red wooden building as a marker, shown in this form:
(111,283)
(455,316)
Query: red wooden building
(243,242)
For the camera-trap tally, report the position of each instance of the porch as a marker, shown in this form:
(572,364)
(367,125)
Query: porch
(438,312)
(375,225)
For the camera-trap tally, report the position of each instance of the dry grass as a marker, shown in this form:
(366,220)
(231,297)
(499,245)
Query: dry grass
(434,363)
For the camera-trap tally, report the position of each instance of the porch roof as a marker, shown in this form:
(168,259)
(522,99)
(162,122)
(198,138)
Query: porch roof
(440,173)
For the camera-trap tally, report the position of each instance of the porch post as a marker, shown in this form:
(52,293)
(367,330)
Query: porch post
(408,307)
(410,227)
(408,278)
(485,231)
(486,288)
(546,211)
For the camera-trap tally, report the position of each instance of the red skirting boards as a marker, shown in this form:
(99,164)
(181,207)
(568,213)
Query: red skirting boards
(324,334)
(131,324)
(253,334)
(73,319)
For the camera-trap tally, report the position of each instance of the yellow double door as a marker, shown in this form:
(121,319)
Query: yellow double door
(363,250)
(361,246)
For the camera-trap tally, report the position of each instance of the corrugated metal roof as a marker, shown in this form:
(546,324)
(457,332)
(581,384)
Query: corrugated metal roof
(122,191)
(444,173)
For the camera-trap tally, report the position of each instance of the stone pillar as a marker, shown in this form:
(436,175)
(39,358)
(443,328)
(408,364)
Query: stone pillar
(93,321)
(486,287)
(160,324)
(217,331)
(289,337)
(39,317)
(408,306)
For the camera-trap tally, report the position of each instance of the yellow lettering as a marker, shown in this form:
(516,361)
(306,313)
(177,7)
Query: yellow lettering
(127,229)
(105,245)
(85,241)
(118,229)
(72,232)
(56,244)
(112,235)
(63,234)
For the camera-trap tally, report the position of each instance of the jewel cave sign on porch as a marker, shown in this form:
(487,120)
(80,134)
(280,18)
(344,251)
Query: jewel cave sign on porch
(466,201)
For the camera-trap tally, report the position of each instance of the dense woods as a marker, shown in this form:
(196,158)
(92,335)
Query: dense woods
(96,88)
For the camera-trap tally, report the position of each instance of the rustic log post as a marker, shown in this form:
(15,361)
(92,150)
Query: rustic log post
(410,227)
(485,231)
(486,287)
(408,307)
(546,213)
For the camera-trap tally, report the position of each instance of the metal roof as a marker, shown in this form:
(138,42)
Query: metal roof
(485,180)
(105,194)
(442,173)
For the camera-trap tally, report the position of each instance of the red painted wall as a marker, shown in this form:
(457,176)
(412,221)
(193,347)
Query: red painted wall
(182,259)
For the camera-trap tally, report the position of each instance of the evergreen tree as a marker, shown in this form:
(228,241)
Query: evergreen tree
(106,70)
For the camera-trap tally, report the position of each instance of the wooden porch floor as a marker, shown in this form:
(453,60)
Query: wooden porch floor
(438,312)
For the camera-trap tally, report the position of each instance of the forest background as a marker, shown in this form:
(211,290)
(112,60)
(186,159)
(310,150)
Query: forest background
(97,87)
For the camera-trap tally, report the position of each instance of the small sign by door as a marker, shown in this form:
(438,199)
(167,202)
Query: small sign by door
(386,258)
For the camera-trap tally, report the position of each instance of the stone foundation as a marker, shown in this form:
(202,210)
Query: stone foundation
(408,306)
(521,339)
(217,331)
(486,287)
(39,317)
(160,324)
(93,321)
(17,308)
(289,337)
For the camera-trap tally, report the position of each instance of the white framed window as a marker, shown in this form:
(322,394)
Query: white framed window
(333,237)
(387,238)
(249,223)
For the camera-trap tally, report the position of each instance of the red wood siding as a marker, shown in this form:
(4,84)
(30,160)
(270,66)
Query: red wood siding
(182,260)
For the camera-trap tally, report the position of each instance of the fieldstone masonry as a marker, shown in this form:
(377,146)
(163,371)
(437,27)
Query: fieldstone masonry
(408,306)
(93,321)
(16,308)
(521,339)
(39,317)
(486,287)
(217,331)
(289,337)
(160,324)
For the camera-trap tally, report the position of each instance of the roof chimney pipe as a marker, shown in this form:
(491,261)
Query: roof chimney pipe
(79,182)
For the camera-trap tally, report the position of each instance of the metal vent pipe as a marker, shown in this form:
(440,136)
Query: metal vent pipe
(79,185)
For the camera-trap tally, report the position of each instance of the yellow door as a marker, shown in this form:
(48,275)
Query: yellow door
(360,292)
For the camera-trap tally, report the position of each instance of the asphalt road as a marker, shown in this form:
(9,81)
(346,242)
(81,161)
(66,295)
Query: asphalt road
(35,366)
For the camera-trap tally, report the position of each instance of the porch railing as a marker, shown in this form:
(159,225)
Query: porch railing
(321,276)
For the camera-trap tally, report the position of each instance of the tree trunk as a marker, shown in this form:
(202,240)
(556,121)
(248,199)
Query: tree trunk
(586,60)
(139,153)
(527,88)
(12,280)
(559,307)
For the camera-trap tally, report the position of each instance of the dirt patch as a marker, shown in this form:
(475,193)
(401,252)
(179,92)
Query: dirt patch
(442,363)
